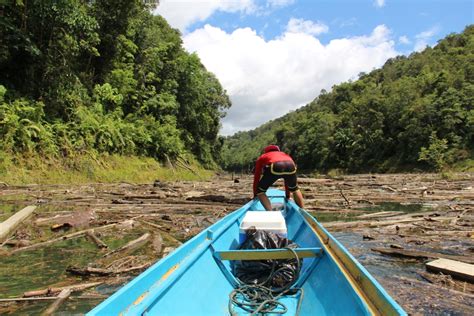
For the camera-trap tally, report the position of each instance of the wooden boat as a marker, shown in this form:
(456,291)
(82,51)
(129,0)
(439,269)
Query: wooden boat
(196,279)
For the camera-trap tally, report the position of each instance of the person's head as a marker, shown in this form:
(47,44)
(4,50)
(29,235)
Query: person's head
(270,148)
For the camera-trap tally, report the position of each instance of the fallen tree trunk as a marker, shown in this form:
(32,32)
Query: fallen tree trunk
(104,272)
(117,264)
(89,297)
(366,223)
(158,242)
(132,245)
(392,221)
(163,232)
(96,240)
(336,209)
(153,225)
(55,290)
(379,214)
(61,298)
(218,198)
(422,255)
(16,243)
(65,237)
(27,299)
(13,221)
(454,233)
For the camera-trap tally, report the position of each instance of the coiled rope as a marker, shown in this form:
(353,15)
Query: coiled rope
(260,299)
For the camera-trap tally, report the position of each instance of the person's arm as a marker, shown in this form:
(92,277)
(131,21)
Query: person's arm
(287,191)
(256,176)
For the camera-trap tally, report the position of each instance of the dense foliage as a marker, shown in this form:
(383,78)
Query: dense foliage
(416,111)
(103,76)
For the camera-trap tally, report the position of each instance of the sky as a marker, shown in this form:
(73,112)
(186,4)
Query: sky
(274,56)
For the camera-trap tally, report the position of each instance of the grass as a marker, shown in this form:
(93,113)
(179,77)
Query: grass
(335,173)
(458,171)
(465,166)
(19,170)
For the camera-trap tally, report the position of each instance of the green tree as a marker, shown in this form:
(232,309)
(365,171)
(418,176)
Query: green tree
(384,120)
(437,154)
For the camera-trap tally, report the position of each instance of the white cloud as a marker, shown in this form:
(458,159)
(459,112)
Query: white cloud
(379,3)
(306,26)
(345,22)
(279,3)
(404,40)
(182,13)
(427,34)
(266,79)
(423,38)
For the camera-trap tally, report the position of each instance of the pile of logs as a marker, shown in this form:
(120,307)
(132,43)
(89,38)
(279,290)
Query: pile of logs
(132,226)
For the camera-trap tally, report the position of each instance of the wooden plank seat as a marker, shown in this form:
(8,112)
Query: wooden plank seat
(267,254)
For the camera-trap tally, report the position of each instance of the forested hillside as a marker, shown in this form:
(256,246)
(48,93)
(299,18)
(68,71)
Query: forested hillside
(102,77)
(414,112)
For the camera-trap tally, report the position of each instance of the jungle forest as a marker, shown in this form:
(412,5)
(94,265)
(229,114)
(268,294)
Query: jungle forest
(91,77)
(416,112)
(109,77)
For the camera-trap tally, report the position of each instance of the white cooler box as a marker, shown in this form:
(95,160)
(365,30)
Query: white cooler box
(263,220)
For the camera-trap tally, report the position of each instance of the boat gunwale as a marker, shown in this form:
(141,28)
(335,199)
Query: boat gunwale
(137,303)
(372,296)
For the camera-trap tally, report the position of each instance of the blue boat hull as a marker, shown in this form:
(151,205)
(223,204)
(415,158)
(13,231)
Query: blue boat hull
(193,280)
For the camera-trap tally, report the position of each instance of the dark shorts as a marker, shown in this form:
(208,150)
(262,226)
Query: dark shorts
(278,170)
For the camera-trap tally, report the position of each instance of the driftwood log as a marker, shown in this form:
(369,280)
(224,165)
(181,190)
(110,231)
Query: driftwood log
(132,245)
(60,299)
(157,242)
(28,299)
(13,221)
(69,236)
(105,272)
(422,255)
(56,290)
(96,239)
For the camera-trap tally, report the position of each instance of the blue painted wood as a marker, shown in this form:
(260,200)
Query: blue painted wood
(194,281)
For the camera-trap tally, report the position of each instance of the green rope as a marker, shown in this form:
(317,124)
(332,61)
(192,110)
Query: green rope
(259,299)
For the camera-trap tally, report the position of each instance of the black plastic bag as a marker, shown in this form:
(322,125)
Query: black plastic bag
(275,274)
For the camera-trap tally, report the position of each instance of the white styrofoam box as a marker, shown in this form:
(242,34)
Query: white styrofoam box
(263,220)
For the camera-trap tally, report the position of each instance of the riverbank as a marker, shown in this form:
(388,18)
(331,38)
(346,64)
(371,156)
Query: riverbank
(108,232)
(88,168)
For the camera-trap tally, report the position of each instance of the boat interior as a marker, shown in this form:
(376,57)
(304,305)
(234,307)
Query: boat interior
(197,278)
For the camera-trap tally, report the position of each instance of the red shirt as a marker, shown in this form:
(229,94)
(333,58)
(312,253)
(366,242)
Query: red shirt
(264,160)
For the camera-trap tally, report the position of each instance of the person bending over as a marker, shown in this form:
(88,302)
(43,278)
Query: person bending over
(272,165)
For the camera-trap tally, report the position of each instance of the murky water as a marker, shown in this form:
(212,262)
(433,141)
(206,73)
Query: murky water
(38,269)
(379,265)
(389,271)
(46,266)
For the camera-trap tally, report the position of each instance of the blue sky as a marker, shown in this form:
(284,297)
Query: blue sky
(273,56)
(352,18)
